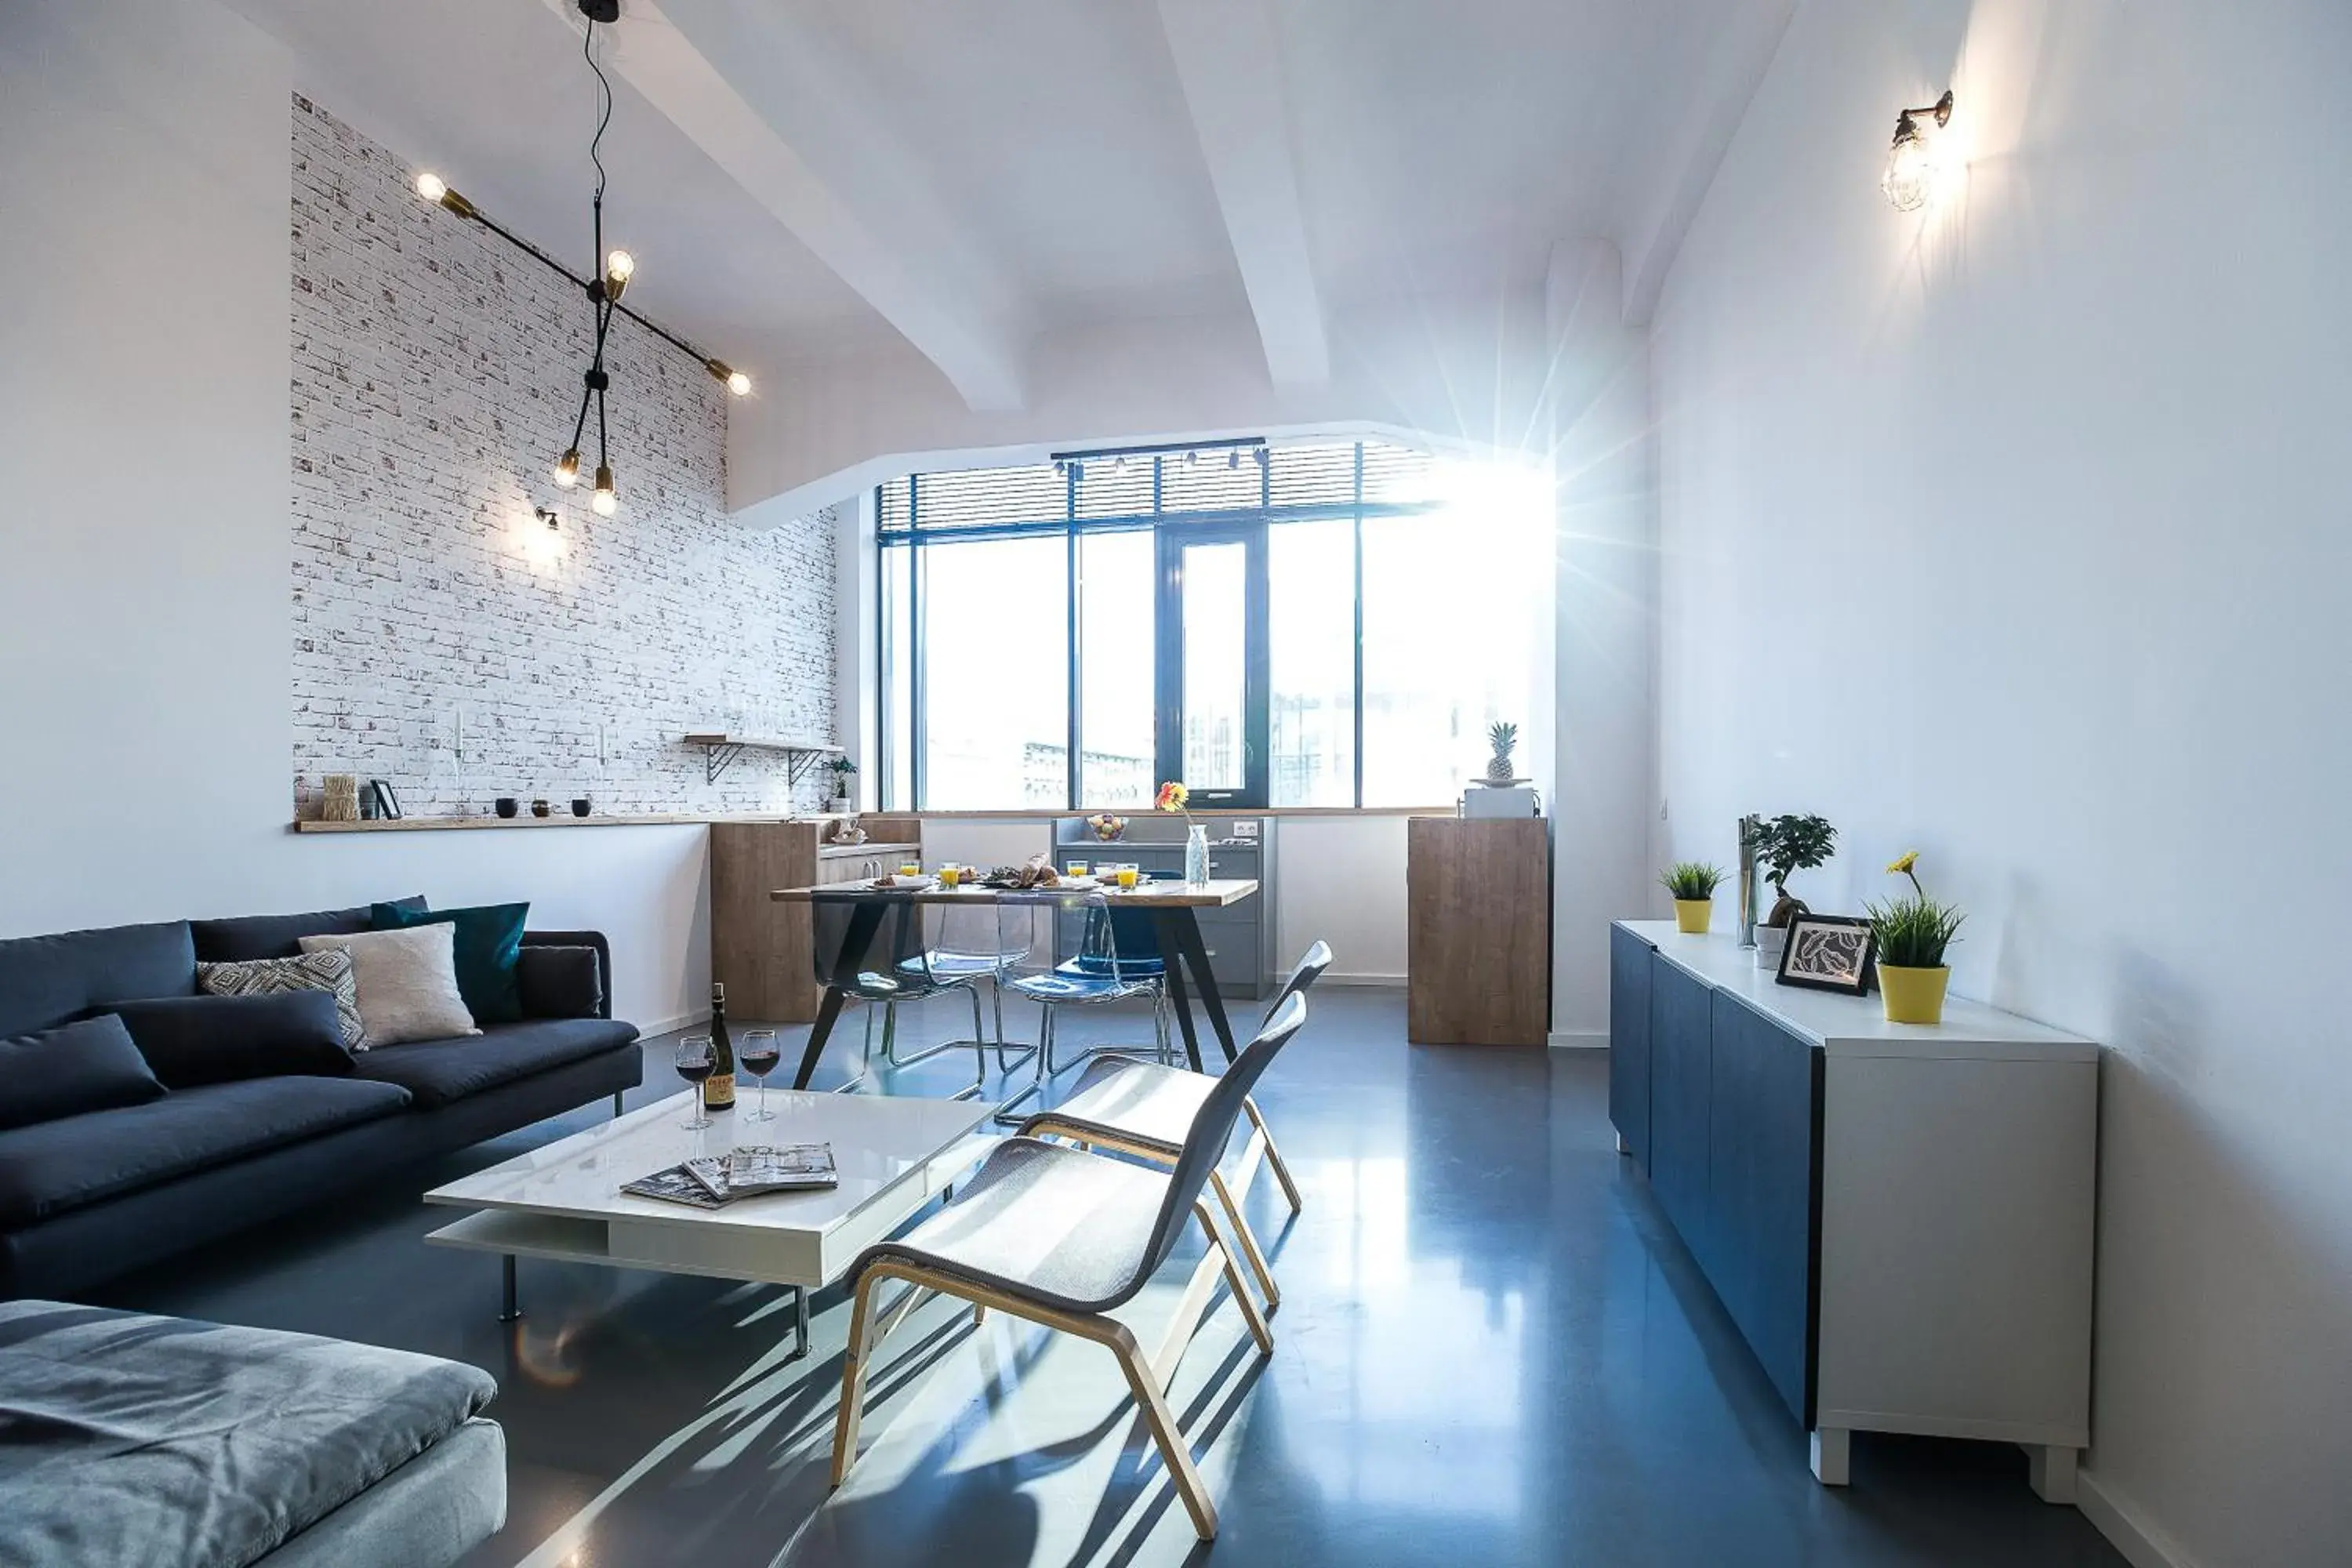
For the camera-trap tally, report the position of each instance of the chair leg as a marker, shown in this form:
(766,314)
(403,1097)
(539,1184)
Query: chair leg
(1272,1154)
(1242,1234)
(1174,1450)
(853,1383)
(1258,1328)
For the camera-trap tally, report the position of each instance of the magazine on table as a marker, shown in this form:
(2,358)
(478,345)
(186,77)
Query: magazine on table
(717,1180)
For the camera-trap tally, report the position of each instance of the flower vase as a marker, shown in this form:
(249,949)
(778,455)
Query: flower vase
(1196,857)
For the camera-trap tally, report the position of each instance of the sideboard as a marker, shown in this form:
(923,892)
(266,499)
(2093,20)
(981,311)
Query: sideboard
(1897,1217)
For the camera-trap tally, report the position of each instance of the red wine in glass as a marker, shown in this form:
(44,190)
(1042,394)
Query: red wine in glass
(759,1053)
(694,1063)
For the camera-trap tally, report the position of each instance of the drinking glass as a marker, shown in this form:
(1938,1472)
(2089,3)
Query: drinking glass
(951,876)
(1074,868)
(1128,877)
(910,869)
(758,1055)
(694,1065)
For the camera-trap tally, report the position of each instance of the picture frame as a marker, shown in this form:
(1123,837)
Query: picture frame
(387,805)
(1828,952)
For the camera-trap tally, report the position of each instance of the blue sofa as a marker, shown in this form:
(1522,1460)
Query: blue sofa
(87,1196)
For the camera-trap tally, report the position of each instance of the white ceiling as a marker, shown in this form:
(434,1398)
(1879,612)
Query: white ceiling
(969,175)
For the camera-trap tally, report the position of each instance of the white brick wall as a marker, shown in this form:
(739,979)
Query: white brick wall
(444,638)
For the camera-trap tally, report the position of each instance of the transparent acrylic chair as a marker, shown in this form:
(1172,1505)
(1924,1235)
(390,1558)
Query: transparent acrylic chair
(869,948)
(1029,934)
(963,943)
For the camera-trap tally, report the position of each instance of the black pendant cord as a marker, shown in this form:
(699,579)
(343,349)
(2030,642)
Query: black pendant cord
(600,298)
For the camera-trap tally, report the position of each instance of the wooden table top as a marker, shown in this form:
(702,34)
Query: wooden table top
(1145,895)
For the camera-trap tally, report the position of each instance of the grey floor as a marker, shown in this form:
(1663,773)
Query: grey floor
(1490,1350)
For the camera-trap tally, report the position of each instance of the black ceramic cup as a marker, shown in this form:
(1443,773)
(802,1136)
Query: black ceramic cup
(506,805)
(580,807)
(539,808)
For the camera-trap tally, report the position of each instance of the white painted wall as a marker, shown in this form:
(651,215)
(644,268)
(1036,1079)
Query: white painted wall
(145,554)
(1341,880)
(2015,532)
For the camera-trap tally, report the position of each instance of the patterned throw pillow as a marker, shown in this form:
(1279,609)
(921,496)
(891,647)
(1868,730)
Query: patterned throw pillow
(324,971)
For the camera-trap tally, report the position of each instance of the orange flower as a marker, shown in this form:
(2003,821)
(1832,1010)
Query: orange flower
(1173,796)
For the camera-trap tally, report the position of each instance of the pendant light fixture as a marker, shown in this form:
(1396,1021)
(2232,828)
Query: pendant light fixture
(615,269)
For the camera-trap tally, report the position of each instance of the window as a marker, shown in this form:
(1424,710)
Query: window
(1334,624)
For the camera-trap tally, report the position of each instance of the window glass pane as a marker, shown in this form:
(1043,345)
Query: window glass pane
(1451,603)
(1117,617)
(1115,487)
(1214,600)
(1323,475)
(1216,480)
(1310,571)
(995,635)
(896,728)
(981,498)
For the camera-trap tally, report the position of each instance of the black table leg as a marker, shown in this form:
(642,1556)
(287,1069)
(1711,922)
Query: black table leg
(1167,927)
(507,1310)
(800,1322)
(864,922)
(1196,958)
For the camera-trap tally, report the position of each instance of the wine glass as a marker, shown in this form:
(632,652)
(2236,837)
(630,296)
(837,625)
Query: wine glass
(694,1065)
(758,1055)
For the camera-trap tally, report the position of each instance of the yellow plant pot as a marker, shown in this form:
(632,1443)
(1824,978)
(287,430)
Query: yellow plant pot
(1693,915)
(1912,995)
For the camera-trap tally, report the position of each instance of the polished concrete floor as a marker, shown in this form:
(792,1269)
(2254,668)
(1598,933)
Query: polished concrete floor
(1490,1350)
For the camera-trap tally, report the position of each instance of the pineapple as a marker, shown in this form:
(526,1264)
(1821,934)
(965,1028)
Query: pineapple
(1504,737)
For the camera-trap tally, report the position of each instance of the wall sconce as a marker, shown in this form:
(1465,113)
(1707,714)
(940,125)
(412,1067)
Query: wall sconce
(1911,161)
(546,515)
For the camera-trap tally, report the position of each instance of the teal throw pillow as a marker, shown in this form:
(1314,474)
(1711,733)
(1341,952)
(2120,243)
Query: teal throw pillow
(488,941)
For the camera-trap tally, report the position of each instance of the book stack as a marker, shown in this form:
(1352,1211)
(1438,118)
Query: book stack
(717,1180)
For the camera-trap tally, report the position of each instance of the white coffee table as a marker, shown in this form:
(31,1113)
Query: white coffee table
(565,1202)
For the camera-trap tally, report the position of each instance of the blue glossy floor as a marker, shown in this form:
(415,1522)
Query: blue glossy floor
(1490,1350)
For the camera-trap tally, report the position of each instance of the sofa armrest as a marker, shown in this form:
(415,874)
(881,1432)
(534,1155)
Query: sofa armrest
(555,983)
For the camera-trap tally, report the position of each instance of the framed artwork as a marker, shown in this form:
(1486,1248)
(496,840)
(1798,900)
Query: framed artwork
(1827,953)
(387,805)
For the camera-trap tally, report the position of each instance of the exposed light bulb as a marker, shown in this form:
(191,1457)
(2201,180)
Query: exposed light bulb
(606,500)
(739,383)
(620,266)
(432,187)
(567,473)
(1914,163)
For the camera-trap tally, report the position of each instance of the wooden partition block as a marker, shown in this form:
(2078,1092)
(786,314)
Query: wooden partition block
(1477,932)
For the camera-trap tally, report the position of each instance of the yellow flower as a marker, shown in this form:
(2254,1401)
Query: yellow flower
(1902,867)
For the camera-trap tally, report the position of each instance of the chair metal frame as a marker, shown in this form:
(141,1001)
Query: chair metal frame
(915,965)
(1154,986)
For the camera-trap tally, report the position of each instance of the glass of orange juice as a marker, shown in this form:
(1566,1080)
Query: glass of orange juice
(951,876)
(910,869)
(1128,876)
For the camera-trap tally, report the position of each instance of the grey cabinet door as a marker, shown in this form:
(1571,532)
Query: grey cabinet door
(1630,958)
(1764,1181)
(1680,1048)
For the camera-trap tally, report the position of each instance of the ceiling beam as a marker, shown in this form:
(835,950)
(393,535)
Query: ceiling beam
(1741,51)
(767,97)
(1230,65)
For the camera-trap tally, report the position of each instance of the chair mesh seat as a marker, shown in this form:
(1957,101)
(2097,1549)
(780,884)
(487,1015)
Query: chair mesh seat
(1139,1100)
(1063,986)
(1041,1221)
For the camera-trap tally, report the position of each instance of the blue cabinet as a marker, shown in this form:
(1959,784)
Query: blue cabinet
(1629,1041)
(1681,1043)
(1764,1189)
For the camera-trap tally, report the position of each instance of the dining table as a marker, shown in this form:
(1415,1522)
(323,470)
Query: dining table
(1173,908)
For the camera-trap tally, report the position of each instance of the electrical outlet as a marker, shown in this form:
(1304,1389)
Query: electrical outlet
(1245,828)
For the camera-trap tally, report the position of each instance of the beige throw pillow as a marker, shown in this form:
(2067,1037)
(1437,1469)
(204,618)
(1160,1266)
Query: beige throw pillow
(407,981)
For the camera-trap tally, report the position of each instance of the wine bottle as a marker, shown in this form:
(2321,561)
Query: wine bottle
(719,1089)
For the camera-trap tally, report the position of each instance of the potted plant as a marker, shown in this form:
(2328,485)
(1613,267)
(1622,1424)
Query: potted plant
(1912,933)
(1504,739)
(1784,845)
(1692,884)
(844,770)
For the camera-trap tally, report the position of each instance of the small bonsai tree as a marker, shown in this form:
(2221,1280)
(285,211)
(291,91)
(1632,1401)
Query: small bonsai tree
(1785,846)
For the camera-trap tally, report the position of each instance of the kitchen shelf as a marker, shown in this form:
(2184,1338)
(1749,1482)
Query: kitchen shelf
(720,750)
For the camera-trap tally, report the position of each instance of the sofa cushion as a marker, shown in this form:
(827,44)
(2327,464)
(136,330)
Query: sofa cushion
(90,1064)
(407,983)
(279,936)
(191,1040)
(439,1071)
(50,980)
(331,973)
(52,1167)
(484,945)
(560,981)
(136,1439)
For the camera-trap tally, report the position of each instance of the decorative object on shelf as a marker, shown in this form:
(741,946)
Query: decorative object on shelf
(1173,796)
(339,798)
(615,267)
(844,770)
(1786,845)
(846,831)
(1912,933)
(387,804)
(1827,953)
(1747,827)
(1912,163)
(506,805)
(1692,885)
(581,807)
(541,808)
(1106,828)
(1503,738)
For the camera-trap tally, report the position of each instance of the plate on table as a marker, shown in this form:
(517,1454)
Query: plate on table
(910,884)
